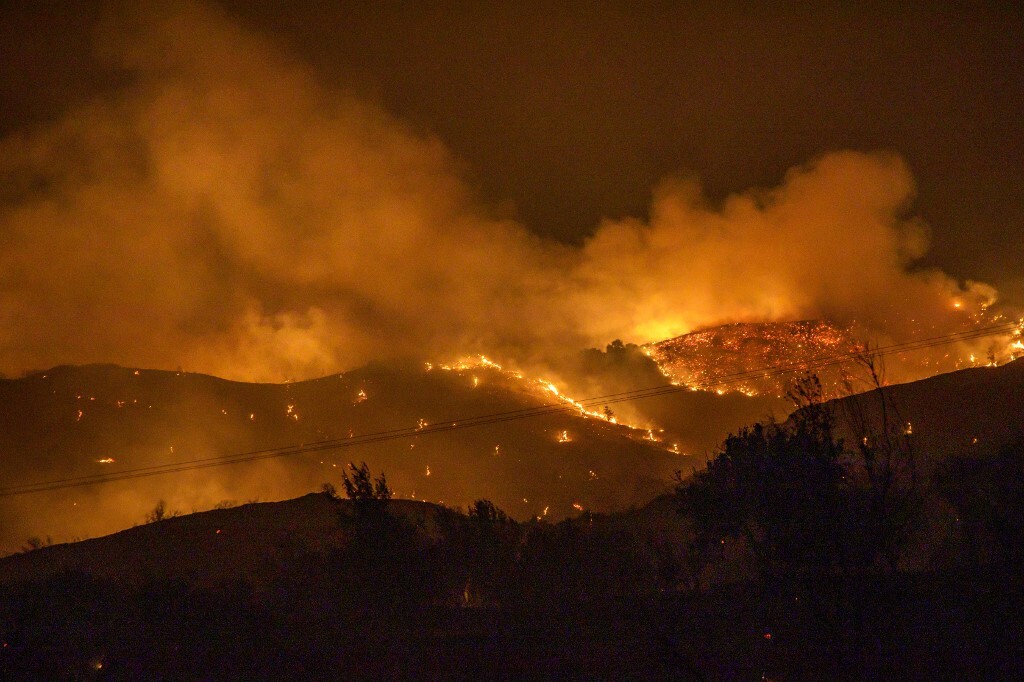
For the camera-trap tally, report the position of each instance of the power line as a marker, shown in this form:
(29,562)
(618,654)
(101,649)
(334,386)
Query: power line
(448,425)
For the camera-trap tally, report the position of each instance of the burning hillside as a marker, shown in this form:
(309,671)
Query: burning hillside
(734,353)
(762,358)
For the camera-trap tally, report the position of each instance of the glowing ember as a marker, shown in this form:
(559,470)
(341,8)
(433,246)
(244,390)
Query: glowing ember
(105,460)
(563,437)
(360,397)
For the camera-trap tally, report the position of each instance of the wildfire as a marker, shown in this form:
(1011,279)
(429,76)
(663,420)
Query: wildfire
(542,386)
(701,360)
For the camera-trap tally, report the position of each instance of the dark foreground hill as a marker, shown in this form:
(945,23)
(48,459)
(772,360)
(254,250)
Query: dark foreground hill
(313,589)
(219,547)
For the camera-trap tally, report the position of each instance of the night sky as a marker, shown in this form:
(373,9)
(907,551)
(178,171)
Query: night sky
(560,120)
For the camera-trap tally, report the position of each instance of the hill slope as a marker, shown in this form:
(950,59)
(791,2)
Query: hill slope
(71,421)
(949,414)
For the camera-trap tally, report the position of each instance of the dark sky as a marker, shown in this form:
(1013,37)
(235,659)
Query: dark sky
(571,113)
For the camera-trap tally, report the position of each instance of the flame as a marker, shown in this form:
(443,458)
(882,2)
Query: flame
(541,386)
(577,506)
(105,460)
(698,359)
(361,396)
(563,437)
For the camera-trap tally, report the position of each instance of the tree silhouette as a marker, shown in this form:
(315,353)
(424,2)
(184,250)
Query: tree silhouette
(821,523)
(386,568)
(779,488)
(359,486)
(490,544)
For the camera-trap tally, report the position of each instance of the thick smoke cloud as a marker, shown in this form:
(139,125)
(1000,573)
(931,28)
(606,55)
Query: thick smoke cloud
(830,242)
(229,213)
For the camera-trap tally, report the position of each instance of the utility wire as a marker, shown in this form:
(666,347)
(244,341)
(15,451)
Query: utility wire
(448,425)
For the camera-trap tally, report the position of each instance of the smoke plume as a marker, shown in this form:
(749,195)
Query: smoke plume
(227,212)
